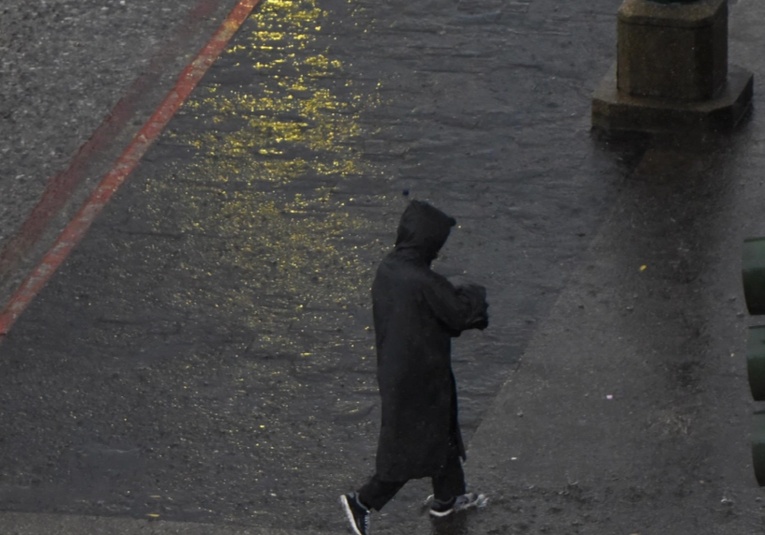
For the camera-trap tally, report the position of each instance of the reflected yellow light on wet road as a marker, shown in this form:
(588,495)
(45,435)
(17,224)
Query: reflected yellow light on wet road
(270,147)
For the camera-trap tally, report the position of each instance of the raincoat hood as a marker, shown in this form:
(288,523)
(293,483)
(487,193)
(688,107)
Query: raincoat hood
(423,230)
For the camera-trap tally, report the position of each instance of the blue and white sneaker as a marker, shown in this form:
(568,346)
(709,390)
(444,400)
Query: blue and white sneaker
(357,514)
(470,500)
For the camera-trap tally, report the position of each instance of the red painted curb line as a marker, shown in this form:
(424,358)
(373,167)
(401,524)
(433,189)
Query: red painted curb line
(124,165)
(58,191)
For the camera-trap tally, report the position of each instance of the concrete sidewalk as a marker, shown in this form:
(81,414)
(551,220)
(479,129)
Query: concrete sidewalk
(630,411)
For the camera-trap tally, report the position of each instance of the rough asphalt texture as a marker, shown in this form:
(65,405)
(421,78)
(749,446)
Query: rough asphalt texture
(65,66)
(205,354)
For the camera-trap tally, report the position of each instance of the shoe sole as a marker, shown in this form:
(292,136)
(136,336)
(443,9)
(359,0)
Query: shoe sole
(349,514)
(440,514)
(480,502)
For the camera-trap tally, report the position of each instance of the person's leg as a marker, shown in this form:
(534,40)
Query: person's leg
(450,481)
(449,490)
(376,493)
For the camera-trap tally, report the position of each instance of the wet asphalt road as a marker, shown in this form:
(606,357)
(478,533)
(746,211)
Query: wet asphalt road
(206,353)
(78,79)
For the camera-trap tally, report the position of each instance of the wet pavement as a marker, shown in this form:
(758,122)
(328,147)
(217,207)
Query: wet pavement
(206,353)
(78,79)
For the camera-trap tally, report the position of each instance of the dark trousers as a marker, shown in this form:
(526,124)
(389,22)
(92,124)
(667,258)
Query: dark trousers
(447,484)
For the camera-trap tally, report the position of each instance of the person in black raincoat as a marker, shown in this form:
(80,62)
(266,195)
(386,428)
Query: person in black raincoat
(416,314)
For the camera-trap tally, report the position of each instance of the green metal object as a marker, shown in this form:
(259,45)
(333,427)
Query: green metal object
(758,446)
(753,274)
(755,362)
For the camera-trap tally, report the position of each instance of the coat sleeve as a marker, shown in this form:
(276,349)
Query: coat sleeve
(476,296)
(458,308)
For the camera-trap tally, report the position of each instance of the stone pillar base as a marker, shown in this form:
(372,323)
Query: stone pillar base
(676,51)
(672,70)
(616,110)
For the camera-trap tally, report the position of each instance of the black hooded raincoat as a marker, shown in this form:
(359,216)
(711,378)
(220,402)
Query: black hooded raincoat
(416,313)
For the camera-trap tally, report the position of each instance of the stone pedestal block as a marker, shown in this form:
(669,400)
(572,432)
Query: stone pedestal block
(613,110)
(674,51)
(672,70)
